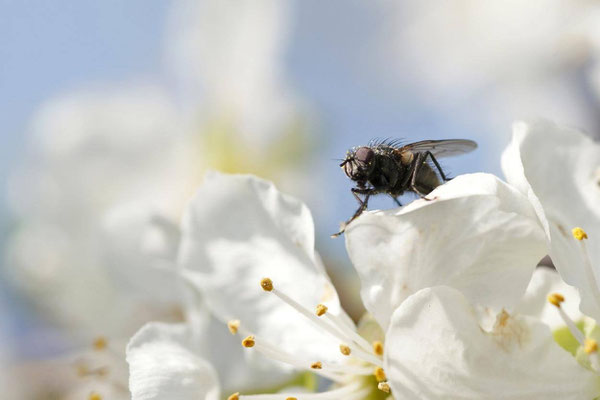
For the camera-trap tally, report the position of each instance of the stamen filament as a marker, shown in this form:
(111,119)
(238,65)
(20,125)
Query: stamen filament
(348,369)
(356,338)
(577,334)
(287,358)
(335,331)
(302,310)
(590,273)
(354,391)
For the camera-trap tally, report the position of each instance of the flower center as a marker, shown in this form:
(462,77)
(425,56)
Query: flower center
(100,364)
(589,346)
(362,359)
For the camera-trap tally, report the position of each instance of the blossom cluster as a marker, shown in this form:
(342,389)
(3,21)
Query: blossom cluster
(457,306)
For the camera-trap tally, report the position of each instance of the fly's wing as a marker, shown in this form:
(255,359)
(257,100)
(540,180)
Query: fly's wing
(442,148)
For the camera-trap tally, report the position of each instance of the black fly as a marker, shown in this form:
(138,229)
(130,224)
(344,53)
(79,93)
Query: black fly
(389,168)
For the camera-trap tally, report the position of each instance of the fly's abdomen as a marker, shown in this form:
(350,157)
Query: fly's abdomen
(427,179)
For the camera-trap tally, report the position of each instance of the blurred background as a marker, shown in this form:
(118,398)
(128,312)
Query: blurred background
(112,111)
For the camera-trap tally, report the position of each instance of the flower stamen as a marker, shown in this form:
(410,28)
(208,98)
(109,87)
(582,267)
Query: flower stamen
(266,284)
(317,365)
(590,346)
(337,328)
(100,343)
(345,350)
(378,348)
(274,353)
(379,374)
(249,341)
(321,310)
(354,391)
(556,299)
(384,387)
(233,326)
(580,235)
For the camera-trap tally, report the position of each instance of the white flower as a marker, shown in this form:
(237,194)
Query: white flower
(559,170)
(458,240)
(250,251)
(450,275)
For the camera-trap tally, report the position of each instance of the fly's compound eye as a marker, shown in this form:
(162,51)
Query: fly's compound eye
(364,155)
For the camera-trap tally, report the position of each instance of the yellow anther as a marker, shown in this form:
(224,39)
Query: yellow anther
(82,370)
(579,233)
(266,284)
(378,348)
(94,396)
(291,398)
(345,350)
(384,387)
(235,396)
(321,309)
(249,341)
(555,299)
(100,343)
(317,365)
(379,374)
(590,346)
(233,326)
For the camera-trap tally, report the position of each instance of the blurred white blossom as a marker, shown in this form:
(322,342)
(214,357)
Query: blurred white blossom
(110,168)
(229,57)
(96,153)
(509,59)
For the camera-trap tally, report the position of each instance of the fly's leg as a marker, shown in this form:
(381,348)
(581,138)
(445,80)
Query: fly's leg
(361,208)
(418,162)
(397,201)
(437,165)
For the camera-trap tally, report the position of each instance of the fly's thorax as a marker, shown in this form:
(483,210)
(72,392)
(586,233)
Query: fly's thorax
(387,172)
(406,157)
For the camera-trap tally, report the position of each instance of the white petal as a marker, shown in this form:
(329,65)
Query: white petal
(163,367)
(480,236)
(561,167)
(435,348)
(239,370)
(239,229)
(535,301)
